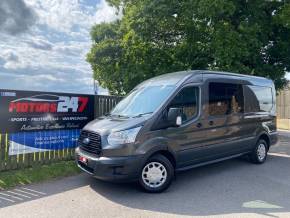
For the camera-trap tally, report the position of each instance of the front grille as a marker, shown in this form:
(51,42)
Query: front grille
(94,146)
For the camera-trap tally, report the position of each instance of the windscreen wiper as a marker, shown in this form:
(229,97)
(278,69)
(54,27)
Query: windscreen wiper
(142,114)
(119,116)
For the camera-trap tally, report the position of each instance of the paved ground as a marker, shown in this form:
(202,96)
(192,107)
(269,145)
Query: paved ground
(233,188)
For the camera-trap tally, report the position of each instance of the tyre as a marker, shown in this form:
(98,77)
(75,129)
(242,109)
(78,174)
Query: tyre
(260,152)
(157,174)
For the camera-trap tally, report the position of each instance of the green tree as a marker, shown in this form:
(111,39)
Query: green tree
(154,37)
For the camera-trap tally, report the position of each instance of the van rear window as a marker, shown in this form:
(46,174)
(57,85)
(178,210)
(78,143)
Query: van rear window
(258,99)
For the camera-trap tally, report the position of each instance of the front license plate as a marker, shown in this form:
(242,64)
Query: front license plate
(83,159)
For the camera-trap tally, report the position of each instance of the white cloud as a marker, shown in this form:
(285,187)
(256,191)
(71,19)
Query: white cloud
(70,15)
(9,55)
(49,77)
(105,13)
(9,59)
(40,44)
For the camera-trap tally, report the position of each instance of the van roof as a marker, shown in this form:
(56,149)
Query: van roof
(167,79)
(183,75)
(229,74)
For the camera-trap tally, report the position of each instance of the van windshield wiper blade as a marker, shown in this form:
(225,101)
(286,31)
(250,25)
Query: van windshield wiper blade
(142,114)
(119,115)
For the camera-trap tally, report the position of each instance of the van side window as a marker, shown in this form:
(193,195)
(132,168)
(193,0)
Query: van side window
(225,98)
(258,99)
(187,101)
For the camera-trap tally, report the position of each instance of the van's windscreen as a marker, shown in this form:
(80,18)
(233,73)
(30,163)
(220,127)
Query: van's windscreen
(143,100)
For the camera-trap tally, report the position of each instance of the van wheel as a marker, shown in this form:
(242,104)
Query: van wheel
(260,152)
(157,174)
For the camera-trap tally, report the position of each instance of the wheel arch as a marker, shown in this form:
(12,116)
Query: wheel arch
(167,154)
(162,150)
(265,137)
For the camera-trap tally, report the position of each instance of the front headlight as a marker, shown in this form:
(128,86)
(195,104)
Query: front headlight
(123,137)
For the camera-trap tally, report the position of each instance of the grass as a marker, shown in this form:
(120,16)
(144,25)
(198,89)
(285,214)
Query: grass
(9,179)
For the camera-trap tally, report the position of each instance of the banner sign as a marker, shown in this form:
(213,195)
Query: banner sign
(41,121)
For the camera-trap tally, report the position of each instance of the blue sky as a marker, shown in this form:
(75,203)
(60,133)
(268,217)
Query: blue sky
(48,52)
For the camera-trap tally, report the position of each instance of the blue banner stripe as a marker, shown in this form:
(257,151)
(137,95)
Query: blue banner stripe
(50,140)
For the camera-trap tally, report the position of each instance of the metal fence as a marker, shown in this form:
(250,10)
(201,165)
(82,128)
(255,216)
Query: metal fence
(103,104)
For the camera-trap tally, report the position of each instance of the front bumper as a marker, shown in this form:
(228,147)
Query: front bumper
(115,169)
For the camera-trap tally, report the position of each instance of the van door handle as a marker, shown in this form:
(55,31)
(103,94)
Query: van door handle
(198,125)
(211,123)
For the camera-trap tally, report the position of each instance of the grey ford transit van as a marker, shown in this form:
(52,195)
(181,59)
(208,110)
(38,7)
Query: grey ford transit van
(178,121)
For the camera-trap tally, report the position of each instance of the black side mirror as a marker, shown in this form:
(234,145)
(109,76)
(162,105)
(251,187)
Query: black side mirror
(174,116)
